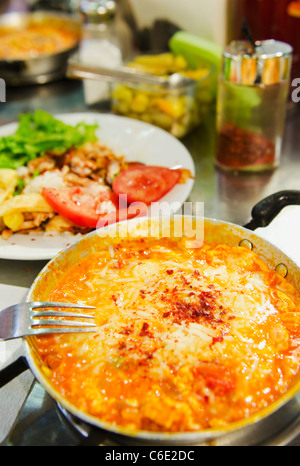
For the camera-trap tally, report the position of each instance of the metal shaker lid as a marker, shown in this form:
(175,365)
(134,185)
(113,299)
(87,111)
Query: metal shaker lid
(268,63)
(97,11)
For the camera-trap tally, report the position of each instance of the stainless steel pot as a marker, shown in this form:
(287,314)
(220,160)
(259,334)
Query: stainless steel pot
(277,424)
(42,69)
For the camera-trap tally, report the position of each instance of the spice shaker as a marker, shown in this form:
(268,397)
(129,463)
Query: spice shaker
(105,41)
(251,105)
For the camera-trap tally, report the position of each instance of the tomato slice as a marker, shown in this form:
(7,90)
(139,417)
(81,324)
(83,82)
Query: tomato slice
(82,208)
(146,184)
(77,205)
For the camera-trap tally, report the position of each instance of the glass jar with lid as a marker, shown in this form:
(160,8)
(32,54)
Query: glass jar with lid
(251,105)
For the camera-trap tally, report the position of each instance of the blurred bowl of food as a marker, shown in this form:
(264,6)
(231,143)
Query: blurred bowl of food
(178,110)
(35,47)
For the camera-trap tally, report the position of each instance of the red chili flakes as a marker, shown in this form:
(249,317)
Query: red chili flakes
(122,345)
(142,293)
(240,148)
(207,299)
(203,307)
(185,281)
(144,331)
(170,272)
(182,311)
(217,340)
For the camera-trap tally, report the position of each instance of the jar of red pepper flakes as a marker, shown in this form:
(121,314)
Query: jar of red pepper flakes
(251,105)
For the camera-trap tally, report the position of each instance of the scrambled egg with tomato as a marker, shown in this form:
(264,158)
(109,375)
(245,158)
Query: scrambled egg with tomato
(34,40)
(186,339)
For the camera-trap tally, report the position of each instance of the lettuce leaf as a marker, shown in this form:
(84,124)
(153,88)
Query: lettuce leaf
(39,132)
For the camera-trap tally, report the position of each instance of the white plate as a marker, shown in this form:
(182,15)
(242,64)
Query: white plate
(137,141)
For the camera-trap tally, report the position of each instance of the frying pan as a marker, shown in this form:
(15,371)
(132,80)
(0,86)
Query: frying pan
(45,68)
(277,424)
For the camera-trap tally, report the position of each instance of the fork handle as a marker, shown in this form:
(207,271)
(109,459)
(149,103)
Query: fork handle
(13,370)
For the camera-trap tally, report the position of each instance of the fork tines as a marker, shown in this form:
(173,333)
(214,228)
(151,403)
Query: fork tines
(41,317)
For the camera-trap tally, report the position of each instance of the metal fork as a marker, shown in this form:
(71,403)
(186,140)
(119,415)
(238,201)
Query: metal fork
(38,318)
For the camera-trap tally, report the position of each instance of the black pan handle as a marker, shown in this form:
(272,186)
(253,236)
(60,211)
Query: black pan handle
(13,370)
(266,210)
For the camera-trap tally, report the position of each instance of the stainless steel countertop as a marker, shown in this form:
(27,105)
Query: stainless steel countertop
(225,196)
